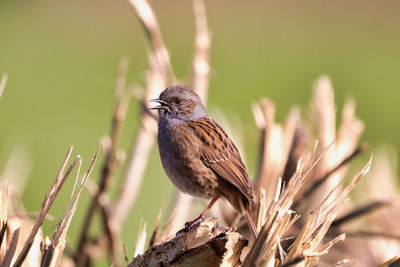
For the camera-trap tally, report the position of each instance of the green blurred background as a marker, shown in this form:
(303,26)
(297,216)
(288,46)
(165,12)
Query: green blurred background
(62,56)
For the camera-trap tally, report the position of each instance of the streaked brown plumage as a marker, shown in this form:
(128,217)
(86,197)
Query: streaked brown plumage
(197,154)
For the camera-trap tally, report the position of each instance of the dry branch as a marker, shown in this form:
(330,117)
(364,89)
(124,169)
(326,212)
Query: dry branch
(368,234)
(201,59)
(47,203)
(374,239)
(141,150)
(276,142)
(345,140)
(320,180)
(319,221)
(53,254)
(156,231)
(159,75)
(152,28)
(275,218)
(111,162)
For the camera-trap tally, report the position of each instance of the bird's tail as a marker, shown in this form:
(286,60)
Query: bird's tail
(248,212)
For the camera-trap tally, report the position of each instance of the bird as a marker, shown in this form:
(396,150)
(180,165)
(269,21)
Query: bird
(198,156)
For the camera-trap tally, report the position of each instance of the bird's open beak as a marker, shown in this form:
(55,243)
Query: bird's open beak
(162,103)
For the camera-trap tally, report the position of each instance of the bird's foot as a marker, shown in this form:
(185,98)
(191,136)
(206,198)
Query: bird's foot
(194,222)
(191,225)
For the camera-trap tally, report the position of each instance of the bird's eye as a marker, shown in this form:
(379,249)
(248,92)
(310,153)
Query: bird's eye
(177,100)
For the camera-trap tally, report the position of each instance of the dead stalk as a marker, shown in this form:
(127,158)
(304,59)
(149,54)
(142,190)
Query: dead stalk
(159,75)
(111,162)
(3,83)
(59,239)
(47,203)
(201,59)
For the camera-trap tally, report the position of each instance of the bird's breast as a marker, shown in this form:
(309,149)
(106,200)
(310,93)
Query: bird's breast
(180,150)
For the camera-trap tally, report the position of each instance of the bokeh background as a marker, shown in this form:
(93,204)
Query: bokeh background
(62,56)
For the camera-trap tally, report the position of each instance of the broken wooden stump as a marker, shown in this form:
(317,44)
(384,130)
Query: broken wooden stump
(203,244)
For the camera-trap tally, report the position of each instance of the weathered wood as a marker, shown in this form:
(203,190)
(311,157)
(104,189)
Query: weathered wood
(203,244)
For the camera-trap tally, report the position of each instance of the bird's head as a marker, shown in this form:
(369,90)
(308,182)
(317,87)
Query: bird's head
(180,102)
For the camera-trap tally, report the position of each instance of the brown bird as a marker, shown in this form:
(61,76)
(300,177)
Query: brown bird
(197,154)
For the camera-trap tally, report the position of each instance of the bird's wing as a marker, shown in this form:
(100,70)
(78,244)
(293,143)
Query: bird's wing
(221,155)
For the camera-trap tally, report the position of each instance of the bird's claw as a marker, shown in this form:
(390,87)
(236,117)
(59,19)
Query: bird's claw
(194,222)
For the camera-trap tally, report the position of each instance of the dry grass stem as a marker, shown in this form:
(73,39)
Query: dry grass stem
(111,163)
(317,182)
(318,222)
(152,28)
(141,239)
(133,178)
(275,218)
(346,139)
(3,83)
(154,235)
(59,238)
(125,253)
(47,203)
(3,214)
(373,239)
(143,145)
(24,225)
(367,234)
(275,145)
(12,247)
(201,60)
(360,211)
